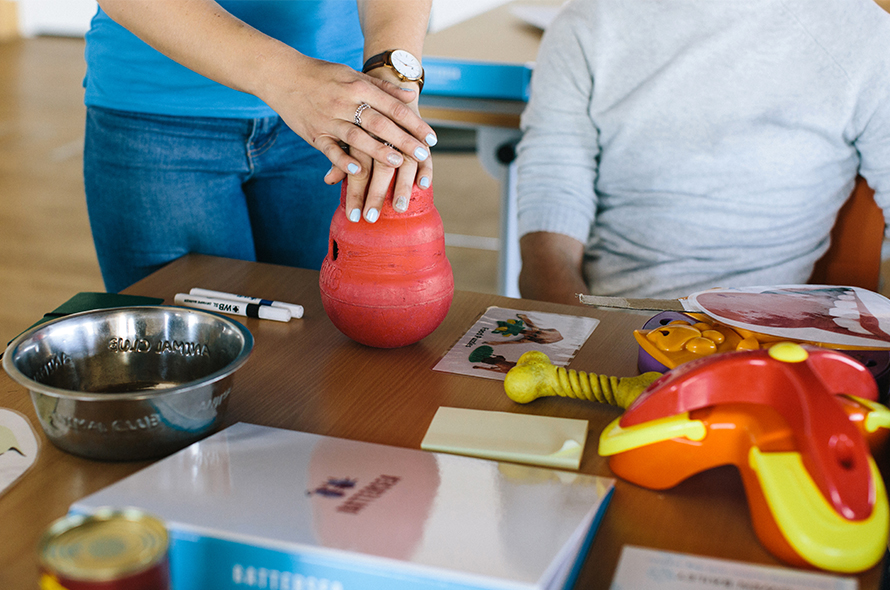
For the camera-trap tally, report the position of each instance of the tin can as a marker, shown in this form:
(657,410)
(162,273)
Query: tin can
(111,549)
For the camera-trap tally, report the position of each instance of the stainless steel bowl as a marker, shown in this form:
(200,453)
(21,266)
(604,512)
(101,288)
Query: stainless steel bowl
(132,382)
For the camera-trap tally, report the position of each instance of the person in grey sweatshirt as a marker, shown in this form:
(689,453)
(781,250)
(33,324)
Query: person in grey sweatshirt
(671,146)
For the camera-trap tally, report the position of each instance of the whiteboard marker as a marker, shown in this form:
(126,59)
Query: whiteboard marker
(296,311)
(251,310)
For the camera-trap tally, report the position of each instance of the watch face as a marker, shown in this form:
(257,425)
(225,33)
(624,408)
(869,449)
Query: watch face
(405,64)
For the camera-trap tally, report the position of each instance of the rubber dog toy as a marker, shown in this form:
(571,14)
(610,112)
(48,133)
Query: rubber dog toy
(535,376)
(672,338)
(796,421)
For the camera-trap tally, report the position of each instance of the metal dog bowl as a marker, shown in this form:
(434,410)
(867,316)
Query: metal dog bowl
(132,382)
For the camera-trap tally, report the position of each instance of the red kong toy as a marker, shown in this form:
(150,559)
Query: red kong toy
(387,284)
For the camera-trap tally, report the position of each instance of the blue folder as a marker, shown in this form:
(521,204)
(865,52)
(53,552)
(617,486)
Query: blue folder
(476,79)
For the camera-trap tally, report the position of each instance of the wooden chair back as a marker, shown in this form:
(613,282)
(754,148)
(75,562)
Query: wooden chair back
(854,257)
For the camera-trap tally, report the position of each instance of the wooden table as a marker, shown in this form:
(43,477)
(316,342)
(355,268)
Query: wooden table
(305,375)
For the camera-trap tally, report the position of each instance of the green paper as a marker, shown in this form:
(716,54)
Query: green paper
(88,301)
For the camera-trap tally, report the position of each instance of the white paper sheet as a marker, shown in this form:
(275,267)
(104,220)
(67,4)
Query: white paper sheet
(648,569)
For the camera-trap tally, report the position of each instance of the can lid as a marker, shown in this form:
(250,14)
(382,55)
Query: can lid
(103,546)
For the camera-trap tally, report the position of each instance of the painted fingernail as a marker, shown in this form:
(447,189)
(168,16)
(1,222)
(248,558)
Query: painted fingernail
(424,182)
(372,215)
(401,204)
(431,140)
(353,168)
(355,215)
(394,159)
(421,154)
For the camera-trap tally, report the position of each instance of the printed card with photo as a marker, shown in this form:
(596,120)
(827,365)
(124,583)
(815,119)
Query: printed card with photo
(495,342)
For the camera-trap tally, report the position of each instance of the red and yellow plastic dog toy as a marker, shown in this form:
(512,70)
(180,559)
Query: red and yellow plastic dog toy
(796,421)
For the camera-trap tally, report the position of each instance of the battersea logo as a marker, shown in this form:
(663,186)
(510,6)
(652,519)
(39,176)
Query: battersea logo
(338,488)
(334,487)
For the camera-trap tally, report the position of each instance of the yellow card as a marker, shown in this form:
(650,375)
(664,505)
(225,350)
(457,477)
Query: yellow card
(502,436)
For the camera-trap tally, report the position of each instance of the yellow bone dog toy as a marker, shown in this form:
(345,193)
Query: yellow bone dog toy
(535,376)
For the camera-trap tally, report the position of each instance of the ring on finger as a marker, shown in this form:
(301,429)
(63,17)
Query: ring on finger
(358,113)
(383,141)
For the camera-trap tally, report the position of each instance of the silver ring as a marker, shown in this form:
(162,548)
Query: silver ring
(386,143)
(358,113)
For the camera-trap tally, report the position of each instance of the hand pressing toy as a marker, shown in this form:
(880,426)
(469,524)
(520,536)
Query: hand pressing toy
(796,421)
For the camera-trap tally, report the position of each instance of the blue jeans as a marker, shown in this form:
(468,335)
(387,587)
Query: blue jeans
(159,187)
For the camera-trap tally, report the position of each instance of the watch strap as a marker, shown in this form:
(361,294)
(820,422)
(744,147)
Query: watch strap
(375,61)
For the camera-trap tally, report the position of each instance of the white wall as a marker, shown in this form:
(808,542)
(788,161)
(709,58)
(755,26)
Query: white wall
(449,12)
(55,17)
(72,17)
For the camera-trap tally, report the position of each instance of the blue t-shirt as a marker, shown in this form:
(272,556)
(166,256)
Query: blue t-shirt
(124,73)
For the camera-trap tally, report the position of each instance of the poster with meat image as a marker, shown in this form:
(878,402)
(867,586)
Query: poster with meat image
(835,315)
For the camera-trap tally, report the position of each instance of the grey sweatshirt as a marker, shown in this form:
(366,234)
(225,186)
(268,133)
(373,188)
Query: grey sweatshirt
(700,143)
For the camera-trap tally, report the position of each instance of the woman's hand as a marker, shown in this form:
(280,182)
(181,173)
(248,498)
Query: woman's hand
(330,105)
(367,188)
(321,101)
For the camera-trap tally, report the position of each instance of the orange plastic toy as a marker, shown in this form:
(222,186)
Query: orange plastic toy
(796,421)
(387,284)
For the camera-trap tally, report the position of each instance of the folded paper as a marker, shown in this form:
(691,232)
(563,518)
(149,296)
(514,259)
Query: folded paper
(19,446)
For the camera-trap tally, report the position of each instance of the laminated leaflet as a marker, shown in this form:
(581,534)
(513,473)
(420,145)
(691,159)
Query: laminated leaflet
(260,507)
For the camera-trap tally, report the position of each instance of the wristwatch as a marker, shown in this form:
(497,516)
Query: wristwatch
(406,66)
